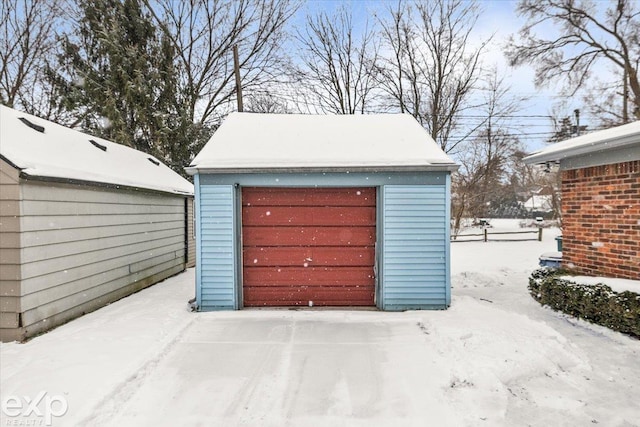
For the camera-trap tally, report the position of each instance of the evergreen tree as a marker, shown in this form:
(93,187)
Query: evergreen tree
(117,78)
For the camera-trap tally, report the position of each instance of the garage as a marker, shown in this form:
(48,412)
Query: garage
(308,246)
(297,210)
(83,222)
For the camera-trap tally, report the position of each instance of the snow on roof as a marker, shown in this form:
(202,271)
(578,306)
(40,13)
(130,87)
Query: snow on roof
(247,141)
(618,137)
(539,203)
(63,153)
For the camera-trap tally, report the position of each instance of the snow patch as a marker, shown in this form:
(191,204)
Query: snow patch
(617,285)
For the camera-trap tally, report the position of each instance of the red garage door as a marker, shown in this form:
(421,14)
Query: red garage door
(304,245)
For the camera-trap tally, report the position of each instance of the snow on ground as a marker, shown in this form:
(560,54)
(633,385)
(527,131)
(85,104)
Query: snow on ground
(494,358)
(504,229)
(617,285)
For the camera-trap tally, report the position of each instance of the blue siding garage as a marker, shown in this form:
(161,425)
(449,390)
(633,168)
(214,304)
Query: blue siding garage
(215,247)
(390,154)
(415,247)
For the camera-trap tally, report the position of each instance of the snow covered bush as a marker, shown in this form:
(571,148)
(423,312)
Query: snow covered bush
(598,304)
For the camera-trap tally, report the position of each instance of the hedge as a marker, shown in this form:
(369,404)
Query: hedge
(598,304)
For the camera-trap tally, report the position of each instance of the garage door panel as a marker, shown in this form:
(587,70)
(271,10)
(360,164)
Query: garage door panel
(321,276)
(309,256)
(306,215)
(303,197)
(308,244)
(307,236)
(301,295)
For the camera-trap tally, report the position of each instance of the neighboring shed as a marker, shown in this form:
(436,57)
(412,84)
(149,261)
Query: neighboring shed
(301,210)
(83,222)
(600,200)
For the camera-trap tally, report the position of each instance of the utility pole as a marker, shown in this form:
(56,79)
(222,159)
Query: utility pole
(625,97)
(236,68)
(577,113)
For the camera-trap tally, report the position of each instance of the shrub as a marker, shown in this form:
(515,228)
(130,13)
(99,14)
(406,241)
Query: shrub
(598,304)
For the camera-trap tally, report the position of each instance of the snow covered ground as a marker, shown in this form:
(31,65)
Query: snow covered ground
(494,358)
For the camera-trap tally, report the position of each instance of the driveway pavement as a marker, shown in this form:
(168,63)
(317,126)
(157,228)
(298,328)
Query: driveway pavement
(292,368)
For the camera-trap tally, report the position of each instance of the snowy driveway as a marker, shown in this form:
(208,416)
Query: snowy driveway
(494,358)
(262,368)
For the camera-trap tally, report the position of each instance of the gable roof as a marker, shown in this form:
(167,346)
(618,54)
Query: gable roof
(43,149)
(615,138)
(250,141)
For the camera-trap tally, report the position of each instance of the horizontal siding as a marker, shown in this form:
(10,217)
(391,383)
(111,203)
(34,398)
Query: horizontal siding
(43,289)
(93,253)
(9,320)
(62,222)
(414,251)
(191,240)
(47,208)
(10,304)
(34,310)
(83,246)
(122,289)
(216,267)
(10,288)
(90,194)
(10,253)
(65,235)
(109,247)
(8,174)
(84,272)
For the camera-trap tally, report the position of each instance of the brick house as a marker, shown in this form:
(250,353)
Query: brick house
(600,200)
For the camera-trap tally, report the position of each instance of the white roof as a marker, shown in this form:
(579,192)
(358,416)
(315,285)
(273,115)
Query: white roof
(618,137)
(63,153)
(249,141)
(539,203)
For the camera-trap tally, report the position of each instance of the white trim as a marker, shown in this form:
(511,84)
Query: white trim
(605,140)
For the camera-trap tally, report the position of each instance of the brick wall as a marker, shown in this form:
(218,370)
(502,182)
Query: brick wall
(601,220)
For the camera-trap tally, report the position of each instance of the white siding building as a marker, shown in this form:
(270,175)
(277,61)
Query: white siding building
(83,222)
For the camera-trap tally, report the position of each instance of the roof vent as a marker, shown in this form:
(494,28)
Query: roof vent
(32,125)
(154,161)
(98,145)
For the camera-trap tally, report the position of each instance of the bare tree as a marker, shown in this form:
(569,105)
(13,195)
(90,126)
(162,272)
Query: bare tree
(586,35)
(266,103)
(434,64)
(608,102)
(27,42)
(337,70)
(204,33)
(487,157)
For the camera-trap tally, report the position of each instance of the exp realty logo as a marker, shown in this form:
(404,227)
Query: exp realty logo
(37,411)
